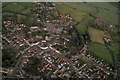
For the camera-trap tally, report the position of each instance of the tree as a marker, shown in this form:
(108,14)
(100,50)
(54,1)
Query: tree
(8,57)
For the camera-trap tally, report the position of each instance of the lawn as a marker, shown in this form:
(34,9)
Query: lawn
(97,35)
(100,51)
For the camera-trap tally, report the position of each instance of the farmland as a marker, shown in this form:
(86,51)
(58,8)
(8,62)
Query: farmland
(97,35)
(105,11)
(101,51)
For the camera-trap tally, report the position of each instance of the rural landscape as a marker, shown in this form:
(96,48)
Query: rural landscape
(77,40)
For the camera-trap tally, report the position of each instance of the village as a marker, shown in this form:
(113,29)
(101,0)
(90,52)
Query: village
(53,49)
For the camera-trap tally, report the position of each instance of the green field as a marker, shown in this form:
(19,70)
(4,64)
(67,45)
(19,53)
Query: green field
(14,7)
(20,12)
(102,10)
(114,47)
(101,51)
(83,26)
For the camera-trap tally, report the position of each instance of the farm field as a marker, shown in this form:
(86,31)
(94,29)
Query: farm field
(105,11)
(100,51)
(97,35)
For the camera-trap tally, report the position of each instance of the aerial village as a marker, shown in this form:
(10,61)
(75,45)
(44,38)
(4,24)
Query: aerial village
(52,48)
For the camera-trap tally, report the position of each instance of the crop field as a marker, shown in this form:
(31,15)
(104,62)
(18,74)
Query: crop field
(104,11)
(97,35)
(101,51)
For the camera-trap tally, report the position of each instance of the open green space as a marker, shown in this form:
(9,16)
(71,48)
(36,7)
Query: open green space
(114,47)
(14,7)
(21,11)
(82,27)
(101,51)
